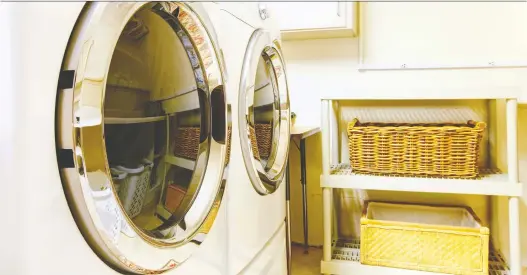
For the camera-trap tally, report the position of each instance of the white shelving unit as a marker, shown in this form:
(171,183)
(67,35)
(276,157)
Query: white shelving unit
(492,184)
(342,257)
(181,162)
(501,92)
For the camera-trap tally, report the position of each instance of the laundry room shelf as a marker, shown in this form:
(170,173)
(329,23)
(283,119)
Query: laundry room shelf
(181,162)
(426,93)
(345,259)
(341,176)
(184,100)
(132,120)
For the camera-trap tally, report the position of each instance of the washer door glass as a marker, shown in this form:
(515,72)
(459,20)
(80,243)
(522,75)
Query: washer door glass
(149,132)
(264,115)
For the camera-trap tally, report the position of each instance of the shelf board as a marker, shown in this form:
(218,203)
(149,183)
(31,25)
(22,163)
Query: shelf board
(341,176)
(425,93)
(181,162)
(346,260)
(182,101)
(132,120)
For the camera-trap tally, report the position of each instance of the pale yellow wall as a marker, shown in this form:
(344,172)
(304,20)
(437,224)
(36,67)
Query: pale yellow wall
(412,33)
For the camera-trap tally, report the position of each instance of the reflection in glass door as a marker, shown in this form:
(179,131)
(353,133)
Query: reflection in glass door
(264,116)
(147,174)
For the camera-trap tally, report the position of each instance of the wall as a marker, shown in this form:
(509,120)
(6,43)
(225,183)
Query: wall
(398,33)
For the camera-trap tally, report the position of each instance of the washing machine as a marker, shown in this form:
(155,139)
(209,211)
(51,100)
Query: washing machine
(119,138)
(259,100)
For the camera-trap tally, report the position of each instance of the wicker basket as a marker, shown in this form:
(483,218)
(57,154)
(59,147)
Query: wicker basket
(434,150)
(427,238)
(187,141)
(263,139)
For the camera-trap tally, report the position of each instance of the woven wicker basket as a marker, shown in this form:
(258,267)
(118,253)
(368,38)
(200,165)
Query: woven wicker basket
(427,238)
(187,141)
(263,139)
(435,150)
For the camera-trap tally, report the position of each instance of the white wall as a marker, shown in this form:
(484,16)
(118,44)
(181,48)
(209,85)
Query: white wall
(405,33)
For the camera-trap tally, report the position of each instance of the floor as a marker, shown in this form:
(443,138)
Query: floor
(305,264)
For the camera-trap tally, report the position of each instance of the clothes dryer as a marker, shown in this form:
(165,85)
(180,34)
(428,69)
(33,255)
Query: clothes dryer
(121,137)
(259,101)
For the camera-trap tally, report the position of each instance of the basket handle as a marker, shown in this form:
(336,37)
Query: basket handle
(477,125)
(352,124)
(118,174)
(148,163)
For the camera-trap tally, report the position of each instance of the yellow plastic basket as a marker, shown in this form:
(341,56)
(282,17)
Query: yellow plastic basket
(426,238)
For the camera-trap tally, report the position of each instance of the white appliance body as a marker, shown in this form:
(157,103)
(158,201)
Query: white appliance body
(256,212)
(49,240)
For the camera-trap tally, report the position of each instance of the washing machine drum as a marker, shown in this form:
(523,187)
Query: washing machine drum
(142,134)
(264,113)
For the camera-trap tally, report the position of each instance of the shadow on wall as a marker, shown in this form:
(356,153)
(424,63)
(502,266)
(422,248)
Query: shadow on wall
(314,192)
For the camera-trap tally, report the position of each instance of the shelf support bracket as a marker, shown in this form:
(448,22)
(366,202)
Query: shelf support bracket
(326,192)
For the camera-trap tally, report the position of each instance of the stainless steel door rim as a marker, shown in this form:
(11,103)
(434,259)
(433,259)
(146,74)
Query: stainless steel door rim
(81,131)
(264,98)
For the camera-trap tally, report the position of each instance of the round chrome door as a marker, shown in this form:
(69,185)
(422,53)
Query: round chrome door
(144,125)
(264,114)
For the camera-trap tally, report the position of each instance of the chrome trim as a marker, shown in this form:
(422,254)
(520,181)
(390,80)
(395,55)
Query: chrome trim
(265,177)
(81,114)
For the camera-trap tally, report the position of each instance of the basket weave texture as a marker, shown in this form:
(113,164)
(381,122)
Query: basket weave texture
(434,150)
(261,140)
(187,141)
(424,247)
(132,192)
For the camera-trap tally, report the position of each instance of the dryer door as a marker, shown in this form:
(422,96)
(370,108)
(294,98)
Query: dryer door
(142,134)
(264,115)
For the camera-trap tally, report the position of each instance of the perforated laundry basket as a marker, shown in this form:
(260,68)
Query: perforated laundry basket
(118,176)
(108,212)
(133,188)
(427,238)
